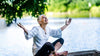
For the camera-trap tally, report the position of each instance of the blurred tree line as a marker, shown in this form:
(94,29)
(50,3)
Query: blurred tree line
(74,8)
(12,9)
(64,5)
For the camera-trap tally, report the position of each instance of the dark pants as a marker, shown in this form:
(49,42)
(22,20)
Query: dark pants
(48,47)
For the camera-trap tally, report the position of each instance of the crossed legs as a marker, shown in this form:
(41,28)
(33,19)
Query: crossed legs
(49,49)
(57,44)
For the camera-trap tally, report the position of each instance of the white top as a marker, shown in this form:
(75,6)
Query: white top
(40,36)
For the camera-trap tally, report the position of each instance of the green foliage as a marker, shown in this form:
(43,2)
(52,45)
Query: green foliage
(76,13)
(78,8)
(95,11)
(72,5)
(64,5)
(97,2)
(11,9)
(82,5)
(57,6)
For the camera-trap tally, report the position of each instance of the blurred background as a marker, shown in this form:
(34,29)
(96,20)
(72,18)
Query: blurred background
(82,34)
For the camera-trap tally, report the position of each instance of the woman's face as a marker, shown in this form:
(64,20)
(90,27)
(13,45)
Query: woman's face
(43,20)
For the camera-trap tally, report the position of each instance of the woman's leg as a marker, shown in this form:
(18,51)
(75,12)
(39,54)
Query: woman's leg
(45,50)
(48,47)
(58,43)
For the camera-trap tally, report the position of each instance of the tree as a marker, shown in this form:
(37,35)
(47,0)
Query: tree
(82,5)
(57,5)
(97,2)
(11,9)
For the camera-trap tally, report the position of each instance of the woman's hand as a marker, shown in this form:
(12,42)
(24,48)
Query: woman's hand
(20,25)
(68,22)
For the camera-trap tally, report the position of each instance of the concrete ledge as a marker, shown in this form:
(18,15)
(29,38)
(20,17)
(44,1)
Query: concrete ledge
(85,53)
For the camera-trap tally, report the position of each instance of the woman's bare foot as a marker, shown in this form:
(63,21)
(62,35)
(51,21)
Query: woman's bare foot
(52,53)
(62,53)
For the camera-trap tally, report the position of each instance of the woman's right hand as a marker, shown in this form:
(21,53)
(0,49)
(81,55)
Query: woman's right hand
(20,25)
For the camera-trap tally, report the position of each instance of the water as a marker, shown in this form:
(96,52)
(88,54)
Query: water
(81,34)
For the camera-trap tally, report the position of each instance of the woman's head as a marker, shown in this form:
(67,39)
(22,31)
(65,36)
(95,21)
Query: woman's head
(42,19)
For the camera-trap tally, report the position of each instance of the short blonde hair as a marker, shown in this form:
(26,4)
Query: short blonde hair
(39,18)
